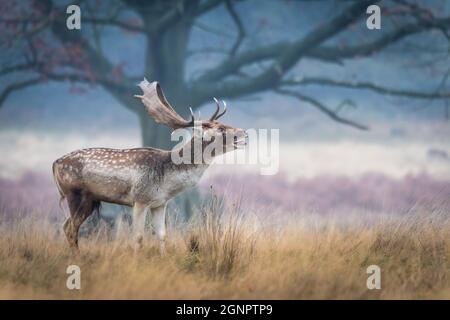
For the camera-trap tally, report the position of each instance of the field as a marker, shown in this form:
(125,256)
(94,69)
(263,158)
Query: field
(226,254)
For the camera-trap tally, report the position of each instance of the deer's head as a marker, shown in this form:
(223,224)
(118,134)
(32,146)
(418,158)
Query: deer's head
(208,131)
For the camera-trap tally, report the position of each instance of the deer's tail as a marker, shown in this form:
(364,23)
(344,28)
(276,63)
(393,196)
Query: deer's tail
(61,193)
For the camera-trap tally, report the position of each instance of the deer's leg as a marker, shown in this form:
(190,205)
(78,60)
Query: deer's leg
(81,206)
(139,214)
(67,227)
(88,205)
(74,204)
(159,226)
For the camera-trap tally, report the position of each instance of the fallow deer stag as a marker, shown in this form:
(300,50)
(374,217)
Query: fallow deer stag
(142,178)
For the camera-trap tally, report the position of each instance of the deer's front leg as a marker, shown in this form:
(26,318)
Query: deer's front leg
(159,226)
(139,214)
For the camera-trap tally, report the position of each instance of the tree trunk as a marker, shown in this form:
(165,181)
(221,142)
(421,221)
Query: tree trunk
(153,134)
(165,63)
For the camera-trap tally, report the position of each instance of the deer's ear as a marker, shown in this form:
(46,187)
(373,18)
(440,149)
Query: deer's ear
(159,108)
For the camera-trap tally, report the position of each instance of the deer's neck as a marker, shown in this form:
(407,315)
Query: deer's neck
(182,175)
(192,154)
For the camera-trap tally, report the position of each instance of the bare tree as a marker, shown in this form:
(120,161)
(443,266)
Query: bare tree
(47,51)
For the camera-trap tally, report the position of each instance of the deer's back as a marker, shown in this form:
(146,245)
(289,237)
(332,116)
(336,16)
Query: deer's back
(120,176)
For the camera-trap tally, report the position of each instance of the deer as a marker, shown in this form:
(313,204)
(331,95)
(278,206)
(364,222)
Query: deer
(144,179)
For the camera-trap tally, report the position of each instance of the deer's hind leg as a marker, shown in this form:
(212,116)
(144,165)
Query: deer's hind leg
(81,206)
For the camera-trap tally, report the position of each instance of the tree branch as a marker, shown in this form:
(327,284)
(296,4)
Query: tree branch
(233,64)
(176,13)
(368,86)
(326,53)
(18,67)
(329,52)
(330,113)
(98,62)
(239,25)
(211,30)
(202,90)
(17,86)
(114,23)
(121,91)
(39,25)
(85,79)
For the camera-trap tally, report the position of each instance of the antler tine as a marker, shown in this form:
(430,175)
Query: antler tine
(214,116)
(192,115)
(224,110)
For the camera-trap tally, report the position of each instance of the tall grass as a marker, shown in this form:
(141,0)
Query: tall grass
(229,253)
(220,239)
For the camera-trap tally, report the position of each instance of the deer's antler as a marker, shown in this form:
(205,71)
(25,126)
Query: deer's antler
(216,114)
(159,108)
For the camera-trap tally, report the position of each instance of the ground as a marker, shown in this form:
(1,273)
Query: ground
(236,256)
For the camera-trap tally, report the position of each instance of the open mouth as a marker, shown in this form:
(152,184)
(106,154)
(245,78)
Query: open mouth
(240,142)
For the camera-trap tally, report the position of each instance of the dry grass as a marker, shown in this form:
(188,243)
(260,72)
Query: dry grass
(231,256)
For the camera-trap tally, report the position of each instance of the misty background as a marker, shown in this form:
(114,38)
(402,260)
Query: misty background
(401,160)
